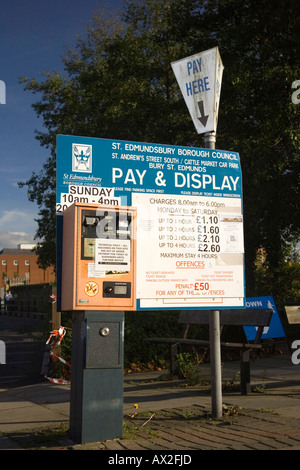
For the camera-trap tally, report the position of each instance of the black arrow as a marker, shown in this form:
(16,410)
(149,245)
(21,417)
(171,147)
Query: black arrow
(202,118)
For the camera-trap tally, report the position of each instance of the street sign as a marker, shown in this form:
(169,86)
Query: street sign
(190,249)
(275,329)
(199,78)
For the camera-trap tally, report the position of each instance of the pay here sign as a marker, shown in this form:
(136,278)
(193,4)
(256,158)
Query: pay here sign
(190,247)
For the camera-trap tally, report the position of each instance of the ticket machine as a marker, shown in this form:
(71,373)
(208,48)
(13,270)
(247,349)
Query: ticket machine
(99,255)
(98,286)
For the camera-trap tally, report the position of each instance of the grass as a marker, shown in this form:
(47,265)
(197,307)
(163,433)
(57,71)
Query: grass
(44,438)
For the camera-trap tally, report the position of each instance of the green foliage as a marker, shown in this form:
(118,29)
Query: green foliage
(187,369)
(147,324)
(284,281)
(66,344)
(156,324)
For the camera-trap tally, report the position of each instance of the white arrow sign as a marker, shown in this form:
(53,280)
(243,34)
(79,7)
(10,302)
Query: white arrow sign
(199,78)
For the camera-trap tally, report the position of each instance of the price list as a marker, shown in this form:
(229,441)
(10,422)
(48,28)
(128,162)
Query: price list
(208,234)
(191,249)
(204,226)
(199,233)
(199,230)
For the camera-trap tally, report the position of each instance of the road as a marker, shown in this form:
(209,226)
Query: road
(24,340)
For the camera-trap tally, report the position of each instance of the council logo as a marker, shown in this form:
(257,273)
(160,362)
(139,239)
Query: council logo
(82,158)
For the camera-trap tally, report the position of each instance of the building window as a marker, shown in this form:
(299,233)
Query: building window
(4,262)
(16,262)
(27,262)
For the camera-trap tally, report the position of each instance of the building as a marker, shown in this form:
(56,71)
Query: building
(19,266)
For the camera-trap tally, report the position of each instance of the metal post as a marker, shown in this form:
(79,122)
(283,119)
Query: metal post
(96,398)
(215,363)
(210,140)
(214,333)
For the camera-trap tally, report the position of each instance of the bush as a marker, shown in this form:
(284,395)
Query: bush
(146,324)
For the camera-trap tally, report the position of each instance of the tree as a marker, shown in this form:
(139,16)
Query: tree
(257,117)
(119,84)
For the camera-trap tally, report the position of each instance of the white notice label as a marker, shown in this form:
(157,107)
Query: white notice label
(112,254)
(190,250)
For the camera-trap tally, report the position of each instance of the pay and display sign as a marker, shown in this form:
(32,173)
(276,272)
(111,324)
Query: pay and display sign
(190,250)
(199,78)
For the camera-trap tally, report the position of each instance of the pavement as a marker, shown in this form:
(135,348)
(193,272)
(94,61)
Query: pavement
(164,416)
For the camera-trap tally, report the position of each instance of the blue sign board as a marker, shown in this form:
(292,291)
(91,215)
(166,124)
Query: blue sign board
(189,211)
(140,167)
(275,329)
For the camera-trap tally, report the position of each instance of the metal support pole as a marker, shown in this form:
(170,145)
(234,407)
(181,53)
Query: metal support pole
(96,398)
(214,333)
(215,363)
(210,140)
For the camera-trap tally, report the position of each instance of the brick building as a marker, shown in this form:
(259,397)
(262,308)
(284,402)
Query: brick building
(19,266)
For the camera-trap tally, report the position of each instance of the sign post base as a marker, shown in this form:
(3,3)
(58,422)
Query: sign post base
(96,401)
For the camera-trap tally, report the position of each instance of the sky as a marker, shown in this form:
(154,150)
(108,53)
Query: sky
(34,35)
